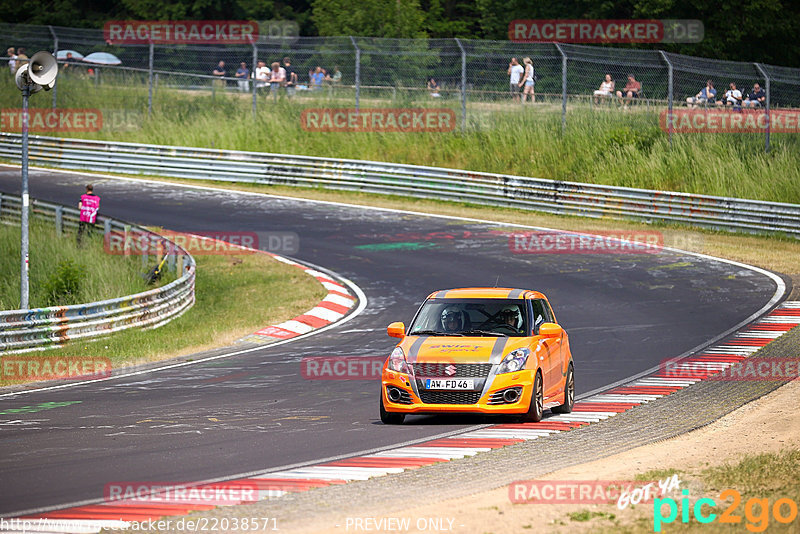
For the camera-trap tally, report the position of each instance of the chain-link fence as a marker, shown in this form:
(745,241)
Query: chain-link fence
(470,76)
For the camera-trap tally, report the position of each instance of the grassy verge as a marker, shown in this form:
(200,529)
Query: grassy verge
(61,273)
(604,146)
(747,490)
(235,295)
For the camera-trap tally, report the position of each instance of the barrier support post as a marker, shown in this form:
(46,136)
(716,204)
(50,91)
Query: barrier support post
(766,108)
(463,86)
(563,89)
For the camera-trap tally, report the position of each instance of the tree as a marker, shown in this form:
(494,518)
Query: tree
(373,18)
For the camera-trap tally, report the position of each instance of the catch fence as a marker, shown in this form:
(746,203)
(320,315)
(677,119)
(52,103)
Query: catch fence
(471,75)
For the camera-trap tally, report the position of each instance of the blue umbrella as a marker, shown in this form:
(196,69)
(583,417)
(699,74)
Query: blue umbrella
(62,54)
(102,58)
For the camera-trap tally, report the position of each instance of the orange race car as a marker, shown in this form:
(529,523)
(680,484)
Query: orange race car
(479,350)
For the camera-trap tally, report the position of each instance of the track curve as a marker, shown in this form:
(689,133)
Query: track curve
(253,411)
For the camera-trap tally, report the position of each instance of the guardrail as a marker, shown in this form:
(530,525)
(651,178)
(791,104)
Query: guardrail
(41,328)
(550,196)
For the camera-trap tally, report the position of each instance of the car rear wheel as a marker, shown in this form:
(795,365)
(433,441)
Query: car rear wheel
(391,418)
(569,393)
(536,409)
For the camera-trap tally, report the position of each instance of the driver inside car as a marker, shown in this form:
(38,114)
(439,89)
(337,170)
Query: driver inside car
(452,320)
(511,317)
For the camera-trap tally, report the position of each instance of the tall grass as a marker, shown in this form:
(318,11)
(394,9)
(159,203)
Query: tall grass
(61,273)
(604,146)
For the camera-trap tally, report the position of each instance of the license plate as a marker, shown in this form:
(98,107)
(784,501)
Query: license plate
(451,383)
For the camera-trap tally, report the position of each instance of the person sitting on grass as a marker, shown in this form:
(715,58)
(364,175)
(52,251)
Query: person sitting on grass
(707,95)
(630,91)
(733,98)
(606,89)
(433,88)
(757,98)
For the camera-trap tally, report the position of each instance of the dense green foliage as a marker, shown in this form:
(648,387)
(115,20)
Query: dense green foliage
(751,30)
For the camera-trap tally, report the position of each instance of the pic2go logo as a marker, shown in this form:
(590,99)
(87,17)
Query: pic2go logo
(756,511)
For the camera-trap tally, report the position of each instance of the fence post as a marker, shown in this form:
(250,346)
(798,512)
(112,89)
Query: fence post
(253,71)
(563,88)
(59,220)
(358,71)
(55,54)
(766,83)
(150,82)
(463,86)
(669,94)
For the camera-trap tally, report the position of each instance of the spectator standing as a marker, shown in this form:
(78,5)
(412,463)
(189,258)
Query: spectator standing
(12,61)
(291,77)
(605,90)
(707,95)
(277,77)
(22,58)
(630,91)
(89,205)
(733,97)
(757,98)
(243,75)
(262,75)
(219,71)
(515,72)
(528,80)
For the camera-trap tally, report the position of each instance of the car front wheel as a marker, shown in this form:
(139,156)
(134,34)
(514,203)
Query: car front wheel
(536,409)
(569,393)
(391,418)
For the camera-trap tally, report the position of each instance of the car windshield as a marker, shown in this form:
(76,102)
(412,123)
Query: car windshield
(471,317)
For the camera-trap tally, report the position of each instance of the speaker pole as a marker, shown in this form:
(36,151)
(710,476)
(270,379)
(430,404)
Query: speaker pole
(26,91)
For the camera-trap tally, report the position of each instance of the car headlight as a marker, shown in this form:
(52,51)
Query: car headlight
(514,361)
(397,361)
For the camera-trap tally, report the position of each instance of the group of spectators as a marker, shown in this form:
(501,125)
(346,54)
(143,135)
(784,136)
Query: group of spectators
(278,76)
(707,96)
(16,59)
(523,78)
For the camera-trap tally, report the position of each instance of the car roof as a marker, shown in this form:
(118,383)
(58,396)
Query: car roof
(486,293)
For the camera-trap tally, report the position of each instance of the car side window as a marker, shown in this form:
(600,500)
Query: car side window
(539,315)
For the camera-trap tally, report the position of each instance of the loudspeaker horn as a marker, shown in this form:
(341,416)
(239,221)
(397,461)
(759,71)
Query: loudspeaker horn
(43,69)
(22,79)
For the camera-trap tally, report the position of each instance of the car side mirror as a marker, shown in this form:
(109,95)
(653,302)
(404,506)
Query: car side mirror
(397,329)
(550,330)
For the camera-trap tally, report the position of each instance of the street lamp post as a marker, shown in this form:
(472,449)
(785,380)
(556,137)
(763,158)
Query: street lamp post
(40,73)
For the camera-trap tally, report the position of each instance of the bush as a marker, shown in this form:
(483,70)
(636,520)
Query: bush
(63,287)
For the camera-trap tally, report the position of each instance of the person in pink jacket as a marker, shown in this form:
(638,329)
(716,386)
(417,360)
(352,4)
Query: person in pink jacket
(88,206)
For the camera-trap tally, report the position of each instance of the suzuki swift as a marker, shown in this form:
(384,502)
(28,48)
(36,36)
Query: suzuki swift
(479,350)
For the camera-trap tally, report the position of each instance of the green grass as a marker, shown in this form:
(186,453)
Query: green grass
(605,146)
(235,296)
(61,273)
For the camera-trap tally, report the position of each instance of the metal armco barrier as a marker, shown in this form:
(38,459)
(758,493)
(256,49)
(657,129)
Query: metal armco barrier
(40,328)
(551,196)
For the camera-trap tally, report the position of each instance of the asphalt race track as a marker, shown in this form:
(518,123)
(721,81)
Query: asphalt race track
(254,411)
